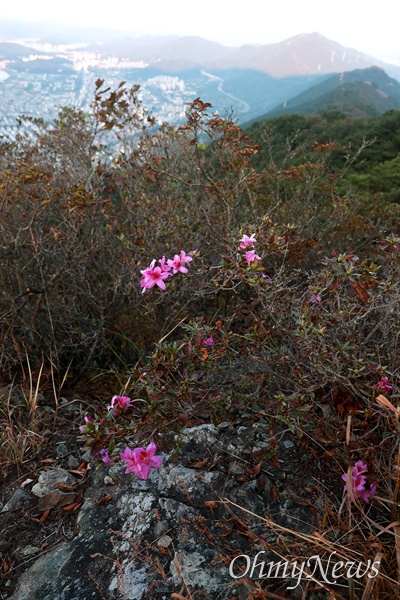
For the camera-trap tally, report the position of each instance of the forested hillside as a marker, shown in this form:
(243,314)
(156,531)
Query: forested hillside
(358,93)
(292,140)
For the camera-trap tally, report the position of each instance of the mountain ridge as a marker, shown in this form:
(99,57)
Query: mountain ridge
(303,54)
(362,92)
(250,80)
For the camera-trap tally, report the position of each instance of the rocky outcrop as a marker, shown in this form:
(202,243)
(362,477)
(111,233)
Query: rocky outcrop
(178,531)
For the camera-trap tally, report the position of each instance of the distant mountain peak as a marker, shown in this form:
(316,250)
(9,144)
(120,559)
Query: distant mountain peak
(308,53)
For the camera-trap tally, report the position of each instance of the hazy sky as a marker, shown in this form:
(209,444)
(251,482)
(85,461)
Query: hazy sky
(368,25)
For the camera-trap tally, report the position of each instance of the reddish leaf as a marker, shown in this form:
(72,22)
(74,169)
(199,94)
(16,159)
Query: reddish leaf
(257,468)
(64,487)
(104,500)
(5,566)
(72,507)
(361,291)
(275,462)
(261,484)
(197,464)
(274,492)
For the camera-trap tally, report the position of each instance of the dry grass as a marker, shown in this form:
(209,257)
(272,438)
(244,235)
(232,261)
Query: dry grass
(20,437)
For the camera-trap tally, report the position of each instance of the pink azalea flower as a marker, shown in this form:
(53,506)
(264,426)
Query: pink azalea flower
(179,262)
(164,267)
(118,403)
(247,242)
(141,460)
(383,386)
(83,428)
(367,494)
(208,342)
(105,457)
(146,272)
(154,276)
(250,256)
(315,298)
(358,481)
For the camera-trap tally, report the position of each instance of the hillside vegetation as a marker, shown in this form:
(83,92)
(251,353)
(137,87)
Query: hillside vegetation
(292,140)
(287,308)
(358,93)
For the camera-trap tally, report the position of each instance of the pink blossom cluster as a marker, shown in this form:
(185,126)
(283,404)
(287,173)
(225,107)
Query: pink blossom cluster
(138,460)
(314,298)
(207,342)
(267,277)
(358,481)
(248,242)
(157,275)
(383,385)
(141,460)
(91,427)
(85,428)
(119,403)
(105,457)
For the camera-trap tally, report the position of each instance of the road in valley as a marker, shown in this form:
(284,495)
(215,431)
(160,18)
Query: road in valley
(246,107)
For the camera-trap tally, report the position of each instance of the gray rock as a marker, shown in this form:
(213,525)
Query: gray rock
(262,426)
(236,468)
(288,444)
(29,550)
(70,406)
(203,435)
(62,450)
(32,584)
(225,427)
(137,511)
(153,535)
(175,511)
(18,498)
(164,541)
(188,485)
(87,457)
(56,498)
(73,463)
(246,496)
(161,528)
(48,479)
(195,568)
(135,581)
